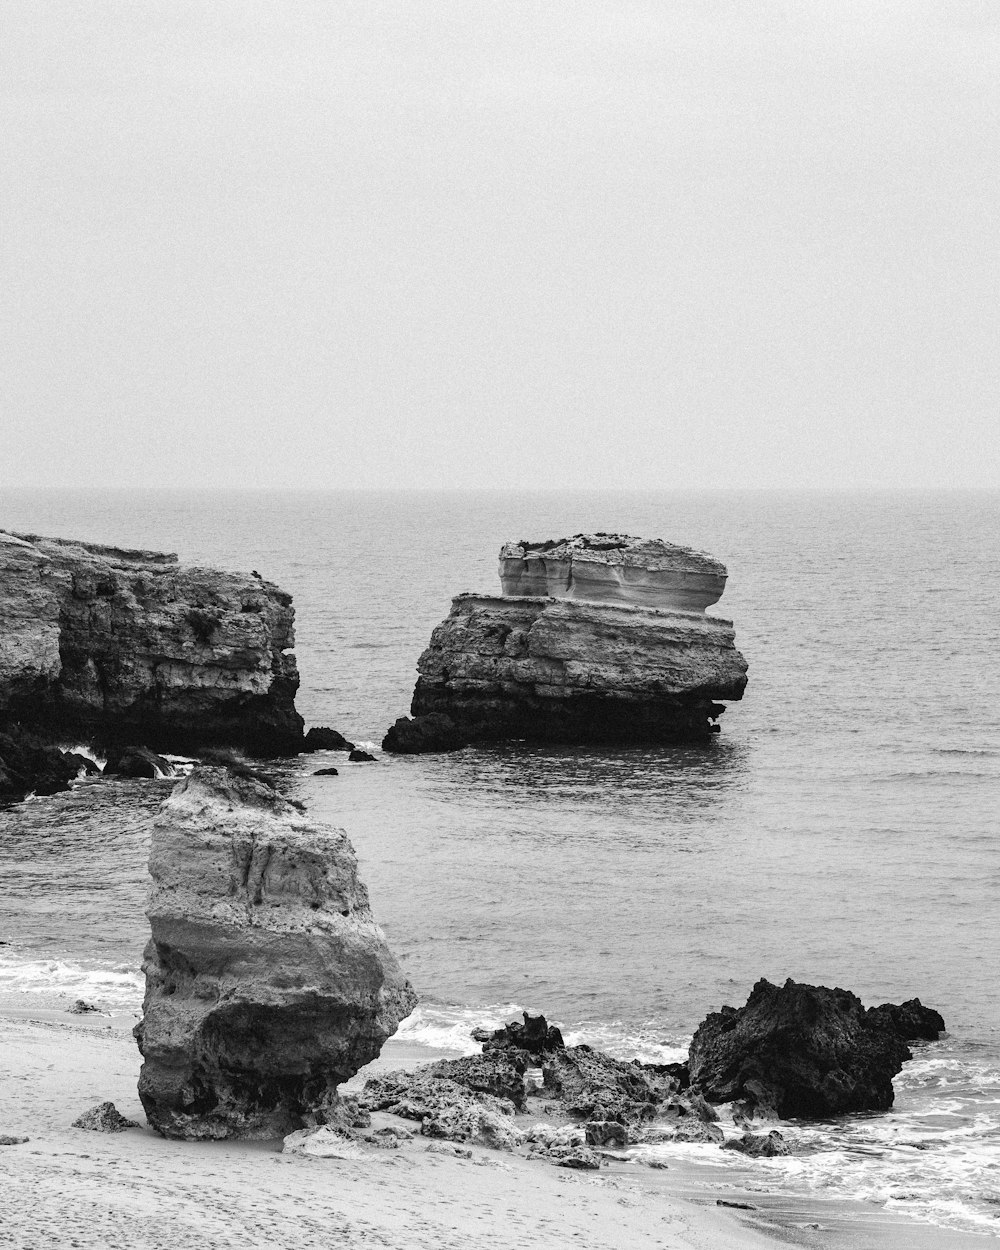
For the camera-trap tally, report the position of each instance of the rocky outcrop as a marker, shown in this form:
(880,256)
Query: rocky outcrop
(131,646)
(798,1051)
(621,652)
(613,568)
(268,983)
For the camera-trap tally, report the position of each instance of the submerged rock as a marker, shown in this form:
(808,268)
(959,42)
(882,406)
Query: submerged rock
(801,1051)
(320,738)
(759,1145)
(434,732)
(137,762)
(131,646)
(268,983)
(598,638)
(28,764)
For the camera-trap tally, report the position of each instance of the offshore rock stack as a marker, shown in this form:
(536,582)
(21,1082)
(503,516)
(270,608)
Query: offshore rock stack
(268,982)
(595,638)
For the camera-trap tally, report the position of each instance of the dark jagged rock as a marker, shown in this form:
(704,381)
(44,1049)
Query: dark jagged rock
(111,645)
(800,1051)
(268,983)
(81,1008)
(131,761)
(28,765)
(598,638)
(327,772)
(497,1074)
(320,738)
(911,1021)
(445,1108)
(535,1036)
(606,1133)
(593,1086)
(758,1145)
(433,732)
(357,756)
(104,1118)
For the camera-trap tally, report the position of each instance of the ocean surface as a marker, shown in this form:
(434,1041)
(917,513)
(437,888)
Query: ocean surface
(842,829)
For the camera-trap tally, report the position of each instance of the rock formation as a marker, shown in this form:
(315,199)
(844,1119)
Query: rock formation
(268,983)
(131,646)
(596,638)
(804,1051)
(613,568)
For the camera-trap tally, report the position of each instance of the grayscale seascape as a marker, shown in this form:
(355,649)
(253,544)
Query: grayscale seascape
(841,829)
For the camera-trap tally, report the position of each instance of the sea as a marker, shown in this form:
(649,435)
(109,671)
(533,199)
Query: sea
(841,829)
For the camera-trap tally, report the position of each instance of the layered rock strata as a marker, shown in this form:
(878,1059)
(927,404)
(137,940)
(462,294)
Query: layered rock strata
(131,646)
(613,568)
(268,983)
(611,644)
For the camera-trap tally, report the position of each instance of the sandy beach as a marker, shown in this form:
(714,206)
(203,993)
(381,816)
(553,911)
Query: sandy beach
(70,1187)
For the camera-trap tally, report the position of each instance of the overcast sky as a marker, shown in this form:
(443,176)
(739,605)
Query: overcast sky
(703,243)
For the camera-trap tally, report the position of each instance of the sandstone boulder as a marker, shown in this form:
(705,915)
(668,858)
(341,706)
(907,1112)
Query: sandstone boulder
(268,983)
(613,568)
(797,1050)
(131,646)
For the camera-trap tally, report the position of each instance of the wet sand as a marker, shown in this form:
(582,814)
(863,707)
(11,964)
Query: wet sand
(70,1187)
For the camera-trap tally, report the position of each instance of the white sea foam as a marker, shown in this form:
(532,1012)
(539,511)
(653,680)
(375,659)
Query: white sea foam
(443,1027)
(116,986)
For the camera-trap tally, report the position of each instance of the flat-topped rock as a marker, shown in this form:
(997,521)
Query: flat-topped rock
(268,983)
(613,568)
(596,638)
(132,646)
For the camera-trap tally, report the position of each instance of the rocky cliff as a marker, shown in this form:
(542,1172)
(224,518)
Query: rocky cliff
(268,983)
(133,646)
(612,645)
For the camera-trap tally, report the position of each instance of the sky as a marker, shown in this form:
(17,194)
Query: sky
(446,243)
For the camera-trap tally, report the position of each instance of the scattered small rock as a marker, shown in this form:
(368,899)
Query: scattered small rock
(81,1007)
(758,1145)
(322,1143)
(8,1139)
(104,1118)
(326,772)
(581,1158)
(448,1148)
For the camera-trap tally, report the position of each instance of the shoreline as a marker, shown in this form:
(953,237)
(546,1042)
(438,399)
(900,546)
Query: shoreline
(69,1186)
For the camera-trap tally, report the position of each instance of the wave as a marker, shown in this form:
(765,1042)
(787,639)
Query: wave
(442,1027)
(118,987)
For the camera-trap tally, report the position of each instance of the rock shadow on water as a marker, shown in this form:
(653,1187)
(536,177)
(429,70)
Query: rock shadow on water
(679,779)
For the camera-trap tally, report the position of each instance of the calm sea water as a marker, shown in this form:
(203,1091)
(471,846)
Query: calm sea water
(841,829)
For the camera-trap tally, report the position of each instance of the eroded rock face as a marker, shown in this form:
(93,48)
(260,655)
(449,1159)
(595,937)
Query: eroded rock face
(268,983)
(561,670)
(613,568)
(802,1051)
(597,638)
(131,646)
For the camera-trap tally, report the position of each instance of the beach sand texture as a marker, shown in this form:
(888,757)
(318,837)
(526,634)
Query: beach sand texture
(69,1187)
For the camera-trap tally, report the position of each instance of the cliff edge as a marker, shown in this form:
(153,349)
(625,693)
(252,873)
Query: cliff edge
(117,645)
